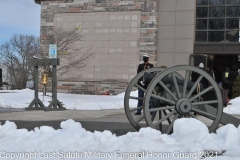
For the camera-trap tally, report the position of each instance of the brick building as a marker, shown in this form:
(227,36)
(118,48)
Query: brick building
(120,31)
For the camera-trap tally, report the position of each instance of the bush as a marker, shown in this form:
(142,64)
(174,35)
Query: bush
(236,87)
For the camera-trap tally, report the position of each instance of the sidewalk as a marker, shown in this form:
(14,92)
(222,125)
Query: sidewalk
(113,120)
(40,115)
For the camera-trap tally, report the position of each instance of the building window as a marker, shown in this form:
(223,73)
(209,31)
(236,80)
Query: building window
(217,21)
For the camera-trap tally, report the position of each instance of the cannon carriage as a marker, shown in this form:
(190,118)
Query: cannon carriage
(169,94)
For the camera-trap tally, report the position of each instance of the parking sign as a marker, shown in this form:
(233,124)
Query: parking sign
(52,51)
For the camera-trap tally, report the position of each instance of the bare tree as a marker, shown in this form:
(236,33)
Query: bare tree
(69,51)
(17,53)
(16,56)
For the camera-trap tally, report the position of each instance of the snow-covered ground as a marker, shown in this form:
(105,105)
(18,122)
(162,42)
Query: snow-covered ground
(22,99)
(190,138)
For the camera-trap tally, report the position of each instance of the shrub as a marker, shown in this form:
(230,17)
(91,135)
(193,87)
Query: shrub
(236,87)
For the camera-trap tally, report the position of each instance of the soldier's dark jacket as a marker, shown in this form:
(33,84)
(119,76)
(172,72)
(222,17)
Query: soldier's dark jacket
(143,66)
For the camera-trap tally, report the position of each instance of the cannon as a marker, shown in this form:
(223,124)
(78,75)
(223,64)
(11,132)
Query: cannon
(169,94)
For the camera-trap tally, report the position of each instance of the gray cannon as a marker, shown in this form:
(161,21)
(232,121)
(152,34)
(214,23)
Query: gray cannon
(148,77)
(169,96)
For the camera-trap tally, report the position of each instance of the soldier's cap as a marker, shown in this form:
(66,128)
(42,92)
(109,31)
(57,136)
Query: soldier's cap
(146,55)
(201,65)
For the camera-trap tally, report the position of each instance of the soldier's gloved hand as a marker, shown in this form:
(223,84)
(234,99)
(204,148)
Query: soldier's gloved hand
(141,82)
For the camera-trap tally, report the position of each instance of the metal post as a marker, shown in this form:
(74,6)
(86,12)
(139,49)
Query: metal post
(36,101)
(35,83)
(44,89)
(55,102)
(54,84)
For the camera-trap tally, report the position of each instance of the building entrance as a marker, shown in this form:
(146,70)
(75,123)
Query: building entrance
(221,62)
(218,62)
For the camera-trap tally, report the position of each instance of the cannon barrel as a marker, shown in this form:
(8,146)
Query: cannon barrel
(148,77)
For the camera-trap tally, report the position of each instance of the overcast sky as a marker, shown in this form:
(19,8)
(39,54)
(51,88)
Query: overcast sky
(19,17)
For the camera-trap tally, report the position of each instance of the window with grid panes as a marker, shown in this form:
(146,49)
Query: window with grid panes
(217,21)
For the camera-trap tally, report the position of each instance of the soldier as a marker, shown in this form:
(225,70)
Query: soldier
(196,75)
(232,76)
(225,85)
(225,79)
(142,67)
(212,73)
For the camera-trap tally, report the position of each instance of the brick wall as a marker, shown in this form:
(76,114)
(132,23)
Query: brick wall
(147,42)
(93,87)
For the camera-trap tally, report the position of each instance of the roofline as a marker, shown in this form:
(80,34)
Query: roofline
(39,1)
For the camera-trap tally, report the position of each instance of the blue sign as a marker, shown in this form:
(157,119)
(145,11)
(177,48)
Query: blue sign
(52,51)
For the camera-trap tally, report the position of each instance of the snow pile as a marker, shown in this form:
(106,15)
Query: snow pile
(190,139)
(234,108)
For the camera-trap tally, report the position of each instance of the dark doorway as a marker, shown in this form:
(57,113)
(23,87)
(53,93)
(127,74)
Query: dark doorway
(218,62)
(221,62)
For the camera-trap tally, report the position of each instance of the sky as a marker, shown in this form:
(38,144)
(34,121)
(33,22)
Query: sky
(19,17)
(189,140)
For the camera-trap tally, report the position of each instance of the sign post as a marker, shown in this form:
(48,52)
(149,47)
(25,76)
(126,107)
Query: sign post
(55,104)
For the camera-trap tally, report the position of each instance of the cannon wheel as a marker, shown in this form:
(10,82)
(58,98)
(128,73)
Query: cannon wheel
(183,103)
(136,120)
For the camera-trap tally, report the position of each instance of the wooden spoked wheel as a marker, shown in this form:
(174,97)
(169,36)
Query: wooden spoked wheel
(182,99)
(130,101)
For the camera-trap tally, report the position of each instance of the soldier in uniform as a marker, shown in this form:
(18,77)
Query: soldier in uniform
(232,76)
(142,67)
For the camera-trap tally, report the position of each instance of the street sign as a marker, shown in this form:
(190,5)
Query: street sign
(52,51)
